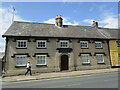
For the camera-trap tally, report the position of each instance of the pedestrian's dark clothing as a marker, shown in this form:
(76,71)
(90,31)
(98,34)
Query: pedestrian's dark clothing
(28,69)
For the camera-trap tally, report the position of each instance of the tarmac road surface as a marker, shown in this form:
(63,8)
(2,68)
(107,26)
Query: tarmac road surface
(102,80)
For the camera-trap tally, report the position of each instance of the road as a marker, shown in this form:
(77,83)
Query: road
(103,80)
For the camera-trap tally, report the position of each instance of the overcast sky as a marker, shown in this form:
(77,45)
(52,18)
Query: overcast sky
(73,13)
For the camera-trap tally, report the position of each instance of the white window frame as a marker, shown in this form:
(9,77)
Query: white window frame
(41,41)
(41,56)
(20,42)
(84,43)
(88,58)
(18,56)
(118,45)
(102,57)
(64,41)
(98,42)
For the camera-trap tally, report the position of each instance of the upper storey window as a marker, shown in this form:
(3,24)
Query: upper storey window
(41,43)
(118,57)
(21,44)
(118,43)
(84,44)
(64,44)
(98,44)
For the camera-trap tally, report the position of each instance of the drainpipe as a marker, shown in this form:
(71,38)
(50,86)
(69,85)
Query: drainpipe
(75,64)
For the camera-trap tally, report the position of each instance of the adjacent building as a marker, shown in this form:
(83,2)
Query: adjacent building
(56,47)
(115,52)
(2,62)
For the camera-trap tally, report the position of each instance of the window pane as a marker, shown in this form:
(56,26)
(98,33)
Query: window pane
(38,59)
(18,44)
(23,60)
(17,60)
(22,44)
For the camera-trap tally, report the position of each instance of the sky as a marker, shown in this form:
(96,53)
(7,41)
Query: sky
(73,13)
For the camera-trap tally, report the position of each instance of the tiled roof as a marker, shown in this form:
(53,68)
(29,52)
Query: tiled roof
(50,30)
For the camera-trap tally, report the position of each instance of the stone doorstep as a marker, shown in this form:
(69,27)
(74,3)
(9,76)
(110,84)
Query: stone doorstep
(55,75)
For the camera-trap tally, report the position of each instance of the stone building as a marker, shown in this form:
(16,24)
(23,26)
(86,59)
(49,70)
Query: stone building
(2,61)
(56,47)
(115,52)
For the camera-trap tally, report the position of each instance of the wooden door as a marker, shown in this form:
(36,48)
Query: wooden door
(64,62)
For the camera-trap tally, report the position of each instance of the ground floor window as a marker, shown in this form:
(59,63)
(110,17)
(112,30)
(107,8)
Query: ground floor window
(20,60)
(100,58)
(85,58)
(41,59)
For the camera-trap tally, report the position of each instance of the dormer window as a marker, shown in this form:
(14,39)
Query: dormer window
(21,44)
(64,44)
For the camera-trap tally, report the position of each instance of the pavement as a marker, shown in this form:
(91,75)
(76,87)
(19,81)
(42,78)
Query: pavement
(39,76)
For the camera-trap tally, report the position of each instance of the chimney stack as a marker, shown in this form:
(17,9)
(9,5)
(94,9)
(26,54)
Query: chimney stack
(59,20)
(95,24)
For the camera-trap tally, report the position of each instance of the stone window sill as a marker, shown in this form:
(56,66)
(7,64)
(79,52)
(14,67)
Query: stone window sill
(41,65)
(101,63)
(19,66)
(85,63)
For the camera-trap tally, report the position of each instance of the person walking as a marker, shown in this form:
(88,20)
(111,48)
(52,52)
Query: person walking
(28,68)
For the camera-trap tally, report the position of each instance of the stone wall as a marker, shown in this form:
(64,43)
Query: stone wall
(54,59)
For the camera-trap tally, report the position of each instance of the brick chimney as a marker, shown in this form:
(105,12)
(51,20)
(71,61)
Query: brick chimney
(59,21)
(95,24)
